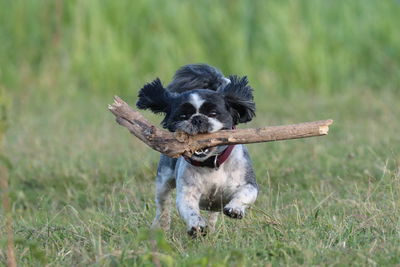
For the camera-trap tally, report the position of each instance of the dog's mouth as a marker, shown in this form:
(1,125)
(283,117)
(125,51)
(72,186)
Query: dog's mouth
(205,153)
(201,152)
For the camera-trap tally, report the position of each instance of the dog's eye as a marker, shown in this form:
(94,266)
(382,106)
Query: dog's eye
(212,114)
(183,116)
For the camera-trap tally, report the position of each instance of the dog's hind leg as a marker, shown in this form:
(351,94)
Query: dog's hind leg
(165,182)
(212,220)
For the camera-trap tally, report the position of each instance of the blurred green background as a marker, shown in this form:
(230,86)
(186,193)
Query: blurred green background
(115,46)
(82,187)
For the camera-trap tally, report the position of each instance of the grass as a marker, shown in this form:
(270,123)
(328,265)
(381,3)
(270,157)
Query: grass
(285,46)
(82,188)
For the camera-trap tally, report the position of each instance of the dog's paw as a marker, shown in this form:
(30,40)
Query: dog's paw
(197,226)
(196,231)
(235,213)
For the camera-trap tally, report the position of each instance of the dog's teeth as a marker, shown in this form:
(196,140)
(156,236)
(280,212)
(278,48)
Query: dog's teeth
(201,151)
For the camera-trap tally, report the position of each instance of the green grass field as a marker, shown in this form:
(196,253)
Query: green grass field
(82,188)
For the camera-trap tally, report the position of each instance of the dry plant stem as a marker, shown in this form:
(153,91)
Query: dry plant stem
(177,144)
(11,261)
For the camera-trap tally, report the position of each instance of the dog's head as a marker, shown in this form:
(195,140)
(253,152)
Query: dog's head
(200,110)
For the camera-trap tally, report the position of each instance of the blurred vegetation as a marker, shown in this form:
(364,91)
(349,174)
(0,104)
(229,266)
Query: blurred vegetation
(3,114)
(82,188)
(283,45)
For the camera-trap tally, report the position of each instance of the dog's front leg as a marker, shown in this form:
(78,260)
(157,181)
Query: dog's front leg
(187,201)
(241,199)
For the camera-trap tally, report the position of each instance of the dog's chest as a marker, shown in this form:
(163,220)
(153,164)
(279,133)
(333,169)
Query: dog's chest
(218,186)
(215,188)
(222,181)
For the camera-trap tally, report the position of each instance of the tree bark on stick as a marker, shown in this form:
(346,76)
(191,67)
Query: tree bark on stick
(179,143)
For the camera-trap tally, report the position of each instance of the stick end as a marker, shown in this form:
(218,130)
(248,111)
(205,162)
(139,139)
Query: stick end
(117,103)
(323,130)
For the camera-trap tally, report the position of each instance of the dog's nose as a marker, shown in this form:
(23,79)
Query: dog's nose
(198,120)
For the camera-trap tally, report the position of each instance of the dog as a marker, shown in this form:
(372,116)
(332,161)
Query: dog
(200,99)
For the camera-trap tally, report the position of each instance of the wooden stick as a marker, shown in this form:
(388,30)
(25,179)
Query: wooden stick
(179,143)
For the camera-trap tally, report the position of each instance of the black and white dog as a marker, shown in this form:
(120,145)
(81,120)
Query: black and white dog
(201,100)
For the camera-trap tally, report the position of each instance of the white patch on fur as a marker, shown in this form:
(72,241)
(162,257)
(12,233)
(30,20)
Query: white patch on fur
(166,173)
(244,196)
(187,198)
(216,125)
(227,180)
(162,219)
(163,190)
(227,80)
(196,101)
(208,188)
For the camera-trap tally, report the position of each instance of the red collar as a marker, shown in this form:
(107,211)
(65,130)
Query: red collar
(214,161)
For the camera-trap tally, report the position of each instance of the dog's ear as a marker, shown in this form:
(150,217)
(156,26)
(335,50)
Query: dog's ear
(239,98)
(153,96)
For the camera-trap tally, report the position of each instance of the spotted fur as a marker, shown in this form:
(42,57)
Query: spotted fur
(201,100)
